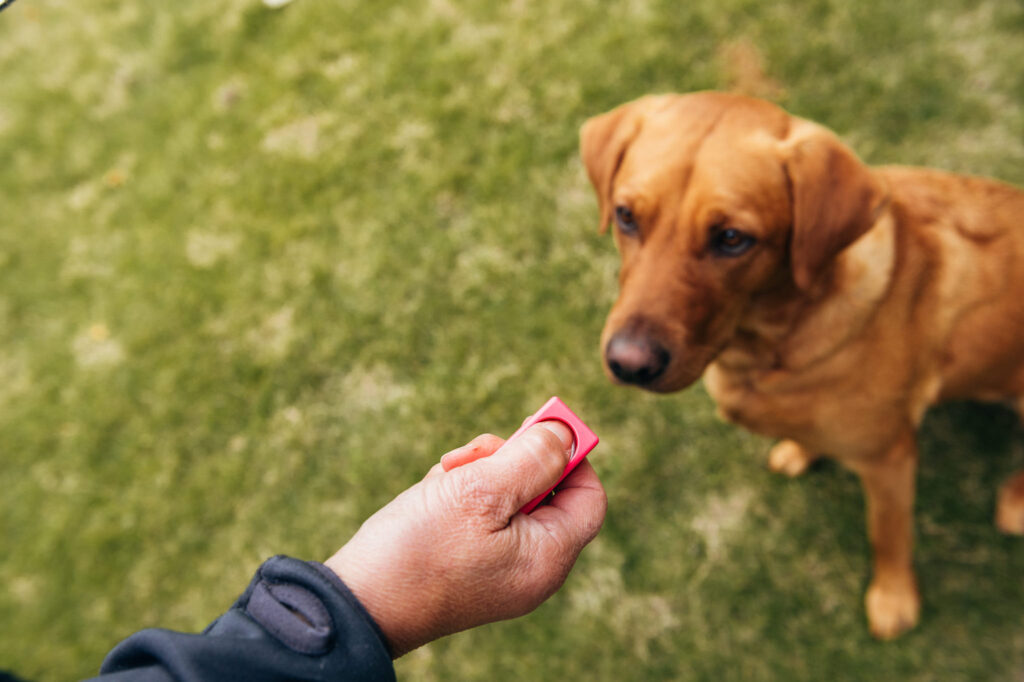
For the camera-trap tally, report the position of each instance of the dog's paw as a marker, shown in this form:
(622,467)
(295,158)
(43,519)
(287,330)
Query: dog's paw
(1010,507)
(790,458)
(893,608)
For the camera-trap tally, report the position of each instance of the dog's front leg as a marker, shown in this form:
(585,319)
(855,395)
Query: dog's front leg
(892,601)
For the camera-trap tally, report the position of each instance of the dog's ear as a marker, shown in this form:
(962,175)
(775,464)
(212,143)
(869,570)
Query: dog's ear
(603,143)
(836,199)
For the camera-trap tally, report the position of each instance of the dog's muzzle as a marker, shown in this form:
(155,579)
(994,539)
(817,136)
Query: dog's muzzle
(635,358)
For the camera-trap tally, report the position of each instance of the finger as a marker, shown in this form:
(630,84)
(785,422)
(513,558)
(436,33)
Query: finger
(526,466)
(483,445)
(435,470)
(575,514)
(473,441)
(465,454)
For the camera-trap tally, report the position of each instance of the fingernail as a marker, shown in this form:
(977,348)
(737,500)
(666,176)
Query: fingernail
(561,430)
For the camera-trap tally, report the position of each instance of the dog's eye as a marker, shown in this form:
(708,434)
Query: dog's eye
(625,219)
(731,242)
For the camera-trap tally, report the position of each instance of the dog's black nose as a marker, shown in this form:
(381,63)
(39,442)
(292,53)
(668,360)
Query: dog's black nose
(636,359)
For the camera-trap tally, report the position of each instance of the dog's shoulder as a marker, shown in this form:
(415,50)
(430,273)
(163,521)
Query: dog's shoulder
(977,209)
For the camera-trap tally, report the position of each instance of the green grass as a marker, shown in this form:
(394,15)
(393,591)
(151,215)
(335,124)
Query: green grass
(259,268)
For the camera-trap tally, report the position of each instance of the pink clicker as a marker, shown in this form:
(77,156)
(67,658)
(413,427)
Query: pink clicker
(583,440)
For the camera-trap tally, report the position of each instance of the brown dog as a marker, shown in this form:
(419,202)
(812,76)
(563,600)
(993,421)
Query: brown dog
(825,302)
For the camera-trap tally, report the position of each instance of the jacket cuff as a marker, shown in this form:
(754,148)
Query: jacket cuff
(295,621)
(308,609)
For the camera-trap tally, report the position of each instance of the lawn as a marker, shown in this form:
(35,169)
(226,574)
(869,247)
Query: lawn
(260,267)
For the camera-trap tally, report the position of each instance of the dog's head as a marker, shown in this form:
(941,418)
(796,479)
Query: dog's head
(715,199)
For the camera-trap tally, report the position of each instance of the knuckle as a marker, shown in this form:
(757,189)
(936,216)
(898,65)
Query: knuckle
(485,440)
(554,569)
(536,580)
(488,438)
(477,496)
(597,520)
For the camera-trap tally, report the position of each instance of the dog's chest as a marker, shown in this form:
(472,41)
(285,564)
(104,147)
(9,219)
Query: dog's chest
(839,409)
(743,400)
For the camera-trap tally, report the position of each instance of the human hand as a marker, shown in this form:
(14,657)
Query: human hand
(452,552)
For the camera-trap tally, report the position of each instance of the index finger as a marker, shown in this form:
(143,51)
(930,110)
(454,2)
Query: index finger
(484,445)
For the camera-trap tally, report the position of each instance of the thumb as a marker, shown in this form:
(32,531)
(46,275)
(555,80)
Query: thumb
(528,465)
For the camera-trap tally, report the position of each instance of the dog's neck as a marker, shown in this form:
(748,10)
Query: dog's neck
(789,330)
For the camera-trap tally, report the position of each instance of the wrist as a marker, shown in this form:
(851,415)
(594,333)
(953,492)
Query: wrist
(371,587)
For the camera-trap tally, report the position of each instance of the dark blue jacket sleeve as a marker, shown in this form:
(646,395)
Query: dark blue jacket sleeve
(296,621)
